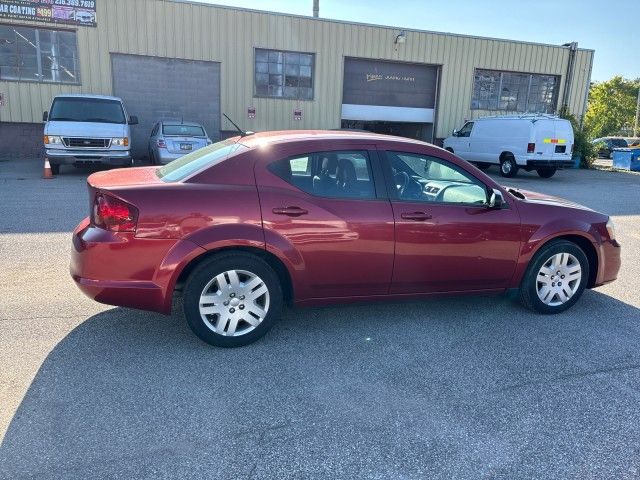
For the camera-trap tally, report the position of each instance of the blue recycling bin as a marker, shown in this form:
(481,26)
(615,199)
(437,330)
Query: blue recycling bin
(627,159)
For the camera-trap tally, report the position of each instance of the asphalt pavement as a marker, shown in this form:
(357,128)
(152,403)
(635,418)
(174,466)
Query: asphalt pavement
(469,387)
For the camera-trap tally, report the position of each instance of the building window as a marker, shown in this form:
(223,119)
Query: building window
(514,92)
(36,54)
(284,74)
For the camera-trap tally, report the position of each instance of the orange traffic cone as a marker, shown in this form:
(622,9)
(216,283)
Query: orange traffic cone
(47,170)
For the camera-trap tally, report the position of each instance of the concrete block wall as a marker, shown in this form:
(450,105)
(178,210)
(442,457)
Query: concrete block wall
(21,140)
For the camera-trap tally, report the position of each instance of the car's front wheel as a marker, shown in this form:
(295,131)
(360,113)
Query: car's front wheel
(232,299)
(556,277)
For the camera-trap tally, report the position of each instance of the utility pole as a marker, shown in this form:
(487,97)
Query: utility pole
(636,132)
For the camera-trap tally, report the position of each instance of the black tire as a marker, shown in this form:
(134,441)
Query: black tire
(508,166)
(546,172)
(55,168)
(483,166)
(528,288)
(208,270)
(152,158)
(449,149)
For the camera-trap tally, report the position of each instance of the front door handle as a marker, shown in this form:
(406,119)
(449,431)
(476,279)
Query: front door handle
(290,211)
(417,216)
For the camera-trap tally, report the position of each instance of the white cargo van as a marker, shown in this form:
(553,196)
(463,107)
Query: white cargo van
(82,129)
(534,142)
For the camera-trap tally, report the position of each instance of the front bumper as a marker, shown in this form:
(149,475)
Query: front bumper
(609,262)
(119,158)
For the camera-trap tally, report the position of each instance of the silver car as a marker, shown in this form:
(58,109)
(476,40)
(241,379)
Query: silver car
(173,139)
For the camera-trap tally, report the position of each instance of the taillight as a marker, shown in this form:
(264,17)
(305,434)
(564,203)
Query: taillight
(531,147)
(114,214)
(572,145)
(162,143)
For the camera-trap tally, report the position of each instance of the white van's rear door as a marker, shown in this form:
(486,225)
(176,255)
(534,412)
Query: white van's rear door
(563,140)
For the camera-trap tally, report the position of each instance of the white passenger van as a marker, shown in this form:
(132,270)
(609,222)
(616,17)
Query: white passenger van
(534,142)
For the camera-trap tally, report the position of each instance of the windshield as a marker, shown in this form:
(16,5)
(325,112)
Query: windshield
(87,110)
(183,130)
(199,160)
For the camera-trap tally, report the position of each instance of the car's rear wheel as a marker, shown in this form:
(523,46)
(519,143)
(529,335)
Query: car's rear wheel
(232,299)
(546,172)
(508,166)
(556,277)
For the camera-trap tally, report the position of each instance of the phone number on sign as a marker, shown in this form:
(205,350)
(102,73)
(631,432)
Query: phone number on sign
(73,3)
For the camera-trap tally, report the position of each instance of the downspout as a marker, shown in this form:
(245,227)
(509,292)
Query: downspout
(573,47)
(316,8)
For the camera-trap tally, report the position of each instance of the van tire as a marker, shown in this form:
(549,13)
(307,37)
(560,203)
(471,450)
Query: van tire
(546,172)
(55,168)
(508,166)
(449,149)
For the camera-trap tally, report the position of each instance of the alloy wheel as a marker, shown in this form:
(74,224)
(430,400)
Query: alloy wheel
(558,279)
(234,303)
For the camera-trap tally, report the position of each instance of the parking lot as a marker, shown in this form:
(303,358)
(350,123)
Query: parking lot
(443,388)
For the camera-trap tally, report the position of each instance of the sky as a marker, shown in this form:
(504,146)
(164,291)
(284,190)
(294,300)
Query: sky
(611,28)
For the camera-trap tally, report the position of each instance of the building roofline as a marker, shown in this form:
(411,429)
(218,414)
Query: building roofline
(362,24)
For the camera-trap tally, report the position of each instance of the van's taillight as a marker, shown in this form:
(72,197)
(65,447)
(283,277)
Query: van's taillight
(162,143)
(531,147)
(114,214)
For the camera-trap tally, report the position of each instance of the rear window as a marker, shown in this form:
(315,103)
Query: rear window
(618,142)
(183,130)
(199,160)
(87,110)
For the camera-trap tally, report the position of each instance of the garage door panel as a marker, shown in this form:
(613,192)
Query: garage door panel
(154,88)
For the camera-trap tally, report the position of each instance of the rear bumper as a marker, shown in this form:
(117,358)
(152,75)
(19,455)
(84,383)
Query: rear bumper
(533,164)
(105,157)
(124,270)
(165,157)
(120,269)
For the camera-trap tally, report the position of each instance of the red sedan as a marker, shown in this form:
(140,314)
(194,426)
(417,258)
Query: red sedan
(313,217)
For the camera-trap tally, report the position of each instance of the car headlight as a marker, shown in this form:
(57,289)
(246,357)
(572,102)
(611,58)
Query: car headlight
(120,141)
(611,229)
(52,140)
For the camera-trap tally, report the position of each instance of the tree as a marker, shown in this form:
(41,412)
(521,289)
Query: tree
(612,107)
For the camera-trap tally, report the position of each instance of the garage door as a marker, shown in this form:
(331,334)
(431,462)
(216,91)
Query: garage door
(154,88)
(389,91)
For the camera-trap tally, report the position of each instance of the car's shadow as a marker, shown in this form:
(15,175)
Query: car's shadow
(471,386)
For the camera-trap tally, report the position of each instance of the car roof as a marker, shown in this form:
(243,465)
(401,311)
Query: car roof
(82,95)
(284,136)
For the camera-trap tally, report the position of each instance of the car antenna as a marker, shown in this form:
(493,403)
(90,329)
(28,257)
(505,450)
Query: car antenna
(240,131)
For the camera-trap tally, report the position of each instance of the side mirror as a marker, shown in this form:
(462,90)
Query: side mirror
(133,120)
(45,116)
(495,199)
(455,132)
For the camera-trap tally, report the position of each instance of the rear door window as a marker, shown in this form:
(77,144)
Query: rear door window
(335,174)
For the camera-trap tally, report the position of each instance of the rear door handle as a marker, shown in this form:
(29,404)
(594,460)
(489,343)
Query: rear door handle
(417,216)
(290,211)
